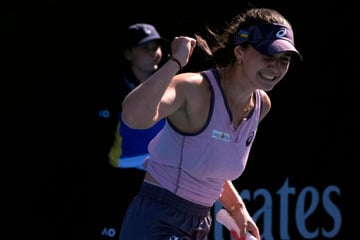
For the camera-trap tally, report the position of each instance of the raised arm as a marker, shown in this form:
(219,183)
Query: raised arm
(155,98)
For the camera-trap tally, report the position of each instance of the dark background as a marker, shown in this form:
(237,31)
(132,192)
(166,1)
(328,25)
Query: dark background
(58,59)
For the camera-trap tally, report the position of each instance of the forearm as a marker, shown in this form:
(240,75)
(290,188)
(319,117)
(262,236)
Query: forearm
(234,204)
(230,198)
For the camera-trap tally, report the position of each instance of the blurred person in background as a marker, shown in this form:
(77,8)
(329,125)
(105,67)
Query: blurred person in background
(142,54)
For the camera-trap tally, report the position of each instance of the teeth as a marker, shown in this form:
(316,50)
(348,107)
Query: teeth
(269,77)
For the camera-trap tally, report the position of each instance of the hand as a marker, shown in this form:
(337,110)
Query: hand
(246,224)
(182,48)
(224,217)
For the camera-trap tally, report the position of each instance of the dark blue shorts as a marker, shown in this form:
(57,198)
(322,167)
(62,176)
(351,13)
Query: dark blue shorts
(158,214)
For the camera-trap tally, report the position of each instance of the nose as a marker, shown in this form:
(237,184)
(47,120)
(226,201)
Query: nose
(275,65)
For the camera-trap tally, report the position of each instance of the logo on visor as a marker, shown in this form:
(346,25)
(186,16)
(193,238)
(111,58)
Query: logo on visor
(244,33)
(281,33)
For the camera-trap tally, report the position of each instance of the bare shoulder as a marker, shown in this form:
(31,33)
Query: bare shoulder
(266,104)
(191,83)
(189,77)
(195,94)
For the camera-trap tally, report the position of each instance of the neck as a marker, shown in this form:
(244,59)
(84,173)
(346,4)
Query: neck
(234,89)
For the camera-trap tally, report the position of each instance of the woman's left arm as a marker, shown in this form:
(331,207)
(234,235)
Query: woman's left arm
(234,204)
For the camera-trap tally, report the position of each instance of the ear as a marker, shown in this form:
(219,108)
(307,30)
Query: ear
(127,54)
(239,53)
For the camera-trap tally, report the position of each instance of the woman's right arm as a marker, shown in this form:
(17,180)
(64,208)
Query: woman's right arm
(156,97)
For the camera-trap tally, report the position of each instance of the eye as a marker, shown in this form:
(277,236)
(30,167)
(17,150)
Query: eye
(285,59)
(152,46)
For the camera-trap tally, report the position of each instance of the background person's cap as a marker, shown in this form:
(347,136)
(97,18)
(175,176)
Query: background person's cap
(268,38)
(141,33)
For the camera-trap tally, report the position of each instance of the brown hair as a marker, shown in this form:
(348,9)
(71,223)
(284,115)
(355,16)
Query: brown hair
(221,51)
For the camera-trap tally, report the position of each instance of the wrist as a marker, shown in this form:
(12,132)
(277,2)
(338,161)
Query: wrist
(174,59)
(236,208)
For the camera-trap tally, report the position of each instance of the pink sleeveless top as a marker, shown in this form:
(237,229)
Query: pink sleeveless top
(195,166)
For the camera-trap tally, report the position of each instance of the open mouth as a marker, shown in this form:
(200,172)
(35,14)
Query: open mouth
(268,77)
